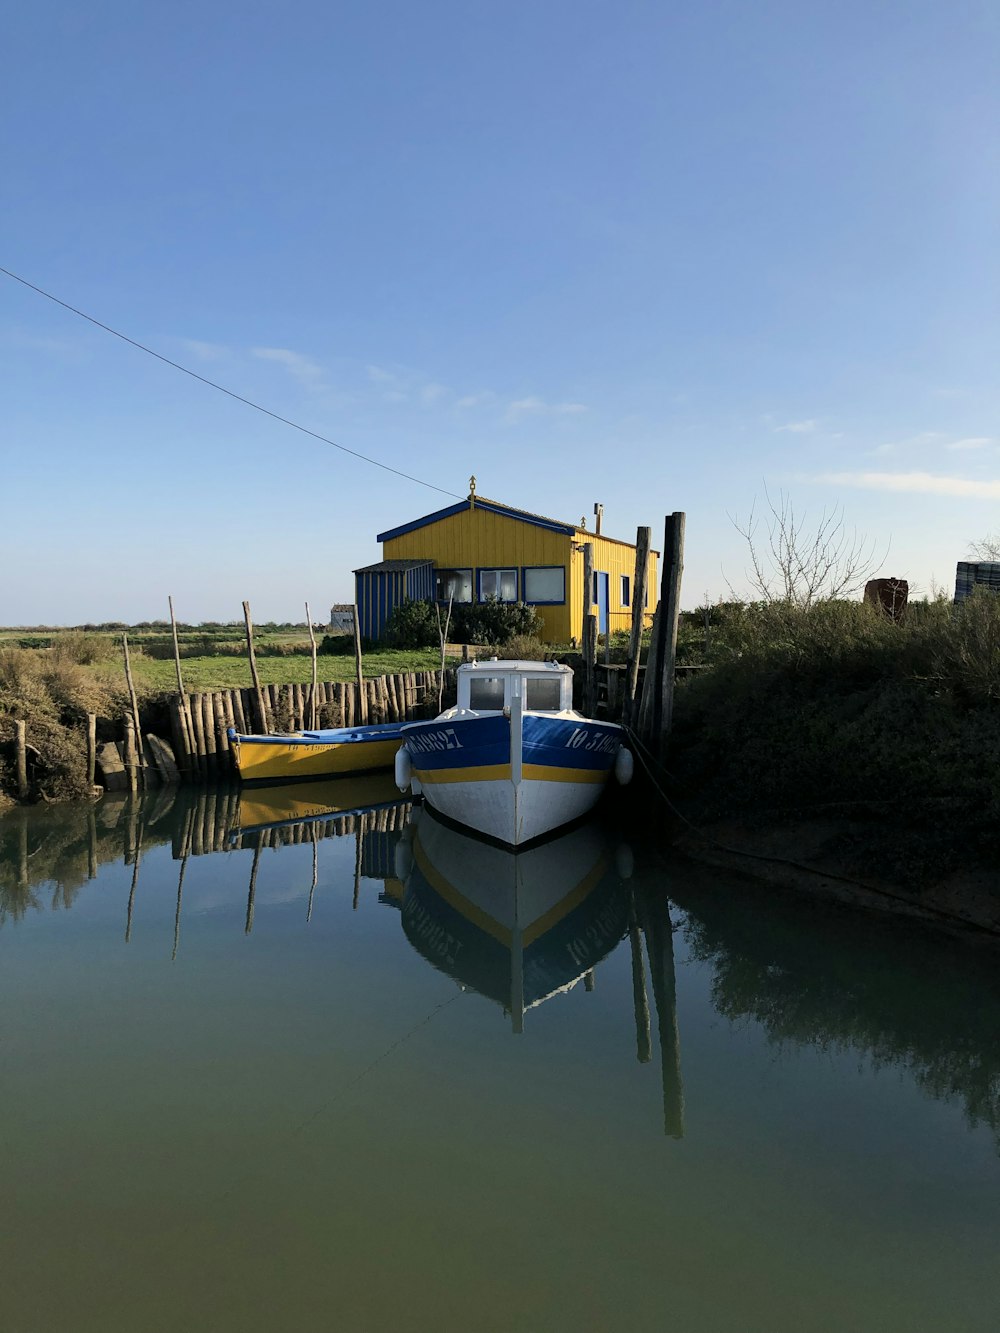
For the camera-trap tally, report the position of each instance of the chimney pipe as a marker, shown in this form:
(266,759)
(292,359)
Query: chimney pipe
(599,515)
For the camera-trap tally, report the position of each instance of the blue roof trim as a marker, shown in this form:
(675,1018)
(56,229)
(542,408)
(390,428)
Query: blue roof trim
(549,524)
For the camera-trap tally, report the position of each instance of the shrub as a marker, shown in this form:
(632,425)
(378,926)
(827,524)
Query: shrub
(414,625)
(492,622)
(524,647)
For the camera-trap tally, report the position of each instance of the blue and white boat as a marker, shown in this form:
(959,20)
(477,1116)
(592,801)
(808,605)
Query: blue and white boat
(512,760)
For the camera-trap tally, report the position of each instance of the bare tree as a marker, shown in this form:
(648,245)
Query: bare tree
(987,548)
(793,561)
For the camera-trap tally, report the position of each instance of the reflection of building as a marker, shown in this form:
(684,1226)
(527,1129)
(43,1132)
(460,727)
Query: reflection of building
(517,928)
(478,549)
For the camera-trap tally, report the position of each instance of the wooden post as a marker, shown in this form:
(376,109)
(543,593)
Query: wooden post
(315,671)
(135,713)
(130,756)
(177,651)
(589,632)
(643,540)
(255,677)
(673,569)
(91,749)
(362,696)
(22,760)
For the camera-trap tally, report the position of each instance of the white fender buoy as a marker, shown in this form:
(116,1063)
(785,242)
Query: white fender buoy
(403,860)
(624,861)
(624,767)
(403,770)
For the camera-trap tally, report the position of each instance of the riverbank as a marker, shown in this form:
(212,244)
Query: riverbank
(831,749)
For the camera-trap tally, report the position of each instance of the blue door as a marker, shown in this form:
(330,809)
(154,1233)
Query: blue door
(601,595)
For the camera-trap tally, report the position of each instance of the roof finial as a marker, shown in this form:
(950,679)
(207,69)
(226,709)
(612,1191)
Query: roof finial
(583,523)
(472,492)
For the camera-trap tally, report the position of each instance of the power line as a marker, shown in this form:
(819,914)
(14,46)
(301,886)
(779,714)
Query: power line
(248,402)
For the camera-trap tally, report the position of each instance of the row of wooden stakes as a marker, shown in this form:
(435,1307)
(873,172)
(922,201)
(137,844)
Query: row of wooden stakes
(200,723)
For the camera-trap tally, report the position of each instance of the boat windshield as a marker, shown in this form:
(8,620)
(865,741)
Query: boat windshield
(486,693)
(543,694)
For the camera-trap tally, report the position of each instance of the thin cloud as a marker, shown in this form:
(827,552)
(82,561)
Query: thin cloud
(805,427)
(921,483)
(205,351)
(484,399)
(973,442)
(532,406)
(308,373)
(430,394)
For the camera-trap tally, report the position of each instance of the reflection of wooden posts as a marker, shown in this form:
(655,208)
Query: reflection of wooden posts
(362,695)
(314,834)
(135,838)
(358,848)
(22,760)
(588,980)
(315,671)
(22,850)
(254,675)
(185,853)
(639,997)
(91,844)
(253,883)
(643,540)
(589,628)
(660,947)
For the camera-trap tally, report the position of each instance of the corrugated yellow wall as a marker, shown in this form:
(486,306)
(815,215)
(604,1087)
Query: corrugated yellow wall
(614,559)
(476,539)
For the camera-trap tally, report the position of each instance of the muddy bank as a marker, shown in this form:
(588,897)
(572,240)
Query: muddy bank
(846,861)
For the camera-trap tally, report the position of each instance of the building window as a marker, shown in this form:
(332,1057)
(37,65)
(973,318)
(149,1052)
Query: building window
(499,583)
(453,585)
(626,591)
(545,585)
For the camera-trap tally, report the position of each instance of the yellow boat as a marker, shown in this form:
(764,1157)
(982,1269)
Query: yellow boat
(337,752)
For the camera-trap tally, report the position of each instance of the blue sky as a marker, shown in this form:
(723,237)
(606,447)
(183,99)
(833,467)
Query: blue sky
(655,255)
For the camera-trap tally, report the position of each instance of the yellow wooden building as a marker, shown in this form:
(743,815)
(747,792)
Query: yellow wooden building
(480,548)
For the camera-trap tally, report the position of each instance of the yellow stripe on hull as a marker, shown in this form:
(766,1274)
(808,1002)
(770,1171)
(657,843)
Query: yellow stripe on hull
(260,761)
(500,772)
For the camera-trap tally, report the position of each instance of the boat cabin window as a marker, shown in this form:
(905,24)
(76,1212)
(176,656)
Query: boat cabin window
(486,693)
(543,695)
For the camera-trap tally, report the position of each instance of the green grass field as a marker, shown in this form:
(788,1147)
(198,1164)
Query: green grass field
(224,673)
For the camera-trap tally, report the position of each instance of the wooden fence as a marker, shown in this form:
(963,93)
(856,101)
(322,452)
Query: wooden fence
(200,722)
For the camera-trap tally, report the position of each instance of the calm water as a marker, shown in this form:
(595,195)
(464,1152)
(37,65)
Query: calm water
(356,1072)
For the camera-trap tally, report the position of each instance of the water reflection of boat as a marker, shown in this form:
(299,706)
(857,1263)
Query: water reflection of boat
(518,927)
(308,802)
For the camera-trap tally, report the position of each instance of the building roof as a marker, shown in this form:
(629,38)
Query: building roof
(392,566)
(491,507)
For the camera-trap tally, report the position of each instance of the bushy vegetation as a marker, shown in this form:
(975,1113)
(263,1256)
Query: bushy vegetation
(413,624)
(52,694)
(838,706)
(493,623)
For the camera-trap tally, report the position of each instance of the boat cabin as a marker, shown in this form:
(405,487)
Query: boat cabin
(489,687)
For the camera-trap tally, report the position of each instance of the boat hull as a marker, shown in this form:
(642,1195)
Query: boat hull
(478,773)
(298,758)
